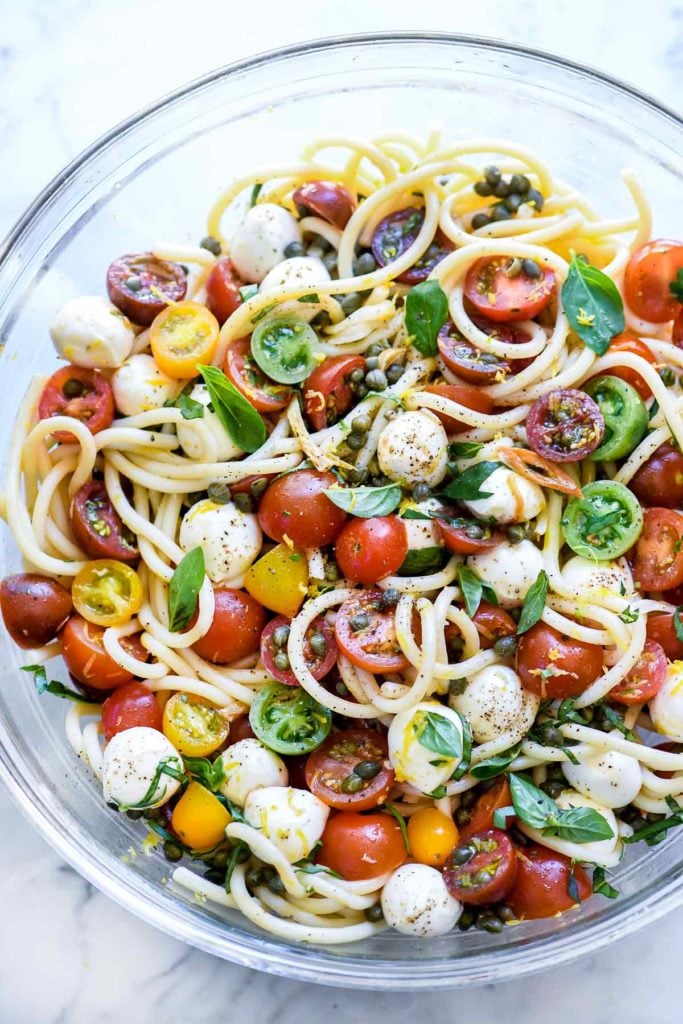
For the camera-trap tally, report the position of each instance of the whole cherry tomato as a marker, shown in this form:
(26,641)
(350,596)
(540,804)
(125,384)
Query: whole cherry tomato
(660,628)
(552,665)
(34,608)
(328,200)
(361,846)
(295,506)
(129,706)
(236,627)
(367,550)
(649,272)
(659,481)
(628,341)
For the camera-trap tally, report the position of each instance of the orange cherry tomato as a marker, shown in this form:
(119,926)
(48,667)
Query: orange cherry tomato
(107,592)
(432,836)
(361,846)
(199,819)
(87,660)
(193,725)
(649,272)
(279,580)
(181,336)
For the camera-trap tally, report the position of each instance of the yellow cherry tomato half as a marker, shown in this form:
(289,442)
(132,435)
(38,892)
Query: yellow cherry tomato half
(279,580)
(432,835)
(181,336)
(107,592)
(193,725)
(199,819)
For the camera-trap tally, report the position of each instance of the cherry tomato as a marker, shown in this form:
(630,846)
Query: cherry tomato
(474,365)
(374,646)
(295,506)
(252,485)
(677,329)
(34,608)
(193,725)
(182,336)
(83,394)
(199,819)
(397,232)
(467,536)
(556,666)
(645,678)
(279,580)
(432,835)
(658,555)
(489,874)
(507,299)
(320,649)
(534,467)
(97,526)
(331,770)
(142,285)
(87,660)
(327,392)
(627,341)
(240,729)
(659,481)
(492,623)
(326,199)
(367,550)
(361,846)
(541,888)
(223,290)
(565,425)
(490,801)
(235,630)
(465,395)
(242,371)
(660,629)
(649,272)
(130,705)
(107,592)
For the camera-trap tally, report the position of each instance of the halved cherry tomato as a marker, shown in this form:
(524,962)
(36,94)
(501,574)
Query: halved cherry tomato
(97,526)
(658,555)
(236,627)
(466,536)
(279,580)
(199,818)
(327,393)
(565,425)
(507,299)
(83,394)
(645,678)
(295,507)
(223,290)
(490,801)
(34,608)
(492,623)
(193,725)
(659,481)
(660,628)
(360,846)
(534,467)
(489,874)
(628,341)
(240,729)
(107,592)
(367,550)
(87,660)
(649,272)
(555,666)
(331,774)
(374,646)
(477,366)
(465,395)
(432,835)
(541,888)
(181,336)
(397,232)
(130,705)
(326,199)
(240,368)
(320,650)
(142,285)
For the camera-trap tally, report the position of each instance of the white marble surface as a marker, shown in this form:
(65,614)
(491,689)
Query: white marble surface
(69,69)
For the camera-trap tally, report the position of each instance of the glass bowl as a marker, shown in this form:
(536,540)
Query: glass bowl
(152,179)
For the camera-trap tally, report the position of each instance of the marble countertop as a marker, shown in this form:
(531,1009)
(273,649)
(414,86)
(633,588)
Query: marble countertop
(69,69)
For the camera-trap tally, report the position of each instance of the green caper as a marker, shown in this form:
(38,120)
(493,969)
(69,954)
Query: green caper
(667,375)
(394,372)
(355,441)
(550,735)
(488,922)
(376,380)
(253,878)
(367,769)
(365,264)
(330,264)
(492,175)
(341,689)
(516,532)
(374,350)
(553,789)
(462,816)
(555,773)
(374,913)
(499,212)
(467,919)
(359,621)
(219,493)
(505,646)
(480,220)
(474,531)
(268,872)
(361,424)
(281,636)
(502,189)
(133,284)
(322,319)
(134,815)
(480,877)
(243,855)
(294,249)
(372,362)
(318,644)
(211,244)
(535,198)
(457,687)
(390,598)
(281,661)
(244,502)
(331,572)
(351,784)
(482,188)
(215,876)
(258,487)
(172,851)
(531,268)
(356,376)
(462,855)
(73,388)
(277,886)
(220,858)
(519,183)
(351,302)
(513,202)
(506,913)
(362,390)
(421,492)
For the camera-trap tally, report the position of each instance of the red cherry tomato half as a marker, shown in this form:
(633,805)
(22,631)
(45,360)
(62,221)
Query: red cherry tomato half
(242,371)
(467,536)
(319,662)
(490,873)
(330,770)
(374,646)
(360,846)
(649,272)
(367,550)
(660,629)
(240,729)
(130,705)
(327,392)
(659,481)
(465,395)
(83,394)
(555,666)
(565,425)
(397,232)
(477,366)
(87,660)
(481,815)
(645,678)
(34,608)
(328,200)
(507,299)
(492,623)
(223,289)
(627,341)
(541,888)
(295,506)
(142,285)
(236,627)
(658,555)
(97,526)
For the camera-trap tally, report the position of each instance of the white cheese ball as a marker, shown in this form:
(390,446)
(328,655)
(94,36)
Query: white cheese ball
(130,762)
(666,710)
(139,385)
(192,433)
(260,241)
(293,819)
(415,901)
(89,331)
(611,778)
(423,533)
(248,765)
(410,759)
(513,498)
(495,702)
(231,539)
(510,569)
(297,272)
(606,852)
(413,448)
(603,579)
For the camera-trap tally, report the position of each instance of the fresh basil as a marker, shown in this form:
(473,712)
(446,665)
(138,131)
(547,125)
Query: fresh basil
(426,313)
(572,884)
(309,868)
(600,884)
(439,793)
(366,502)
(415,513)
(54,687)
(471,587)
(464,449)
(171,766)
(466,486)
(466,757)
(248,291)
(567,712)
(309,298)
(593,305)
(653,833)
(233,860)
(678,624)
(629,614)
(422,561)
(240,420)
(534,603)
(255,193)
(676,286)
(437,733)
(493,766)
(401,824)
(211,774)
(501,815)
(183,590)
(537,810)
(190,408)
(615,719)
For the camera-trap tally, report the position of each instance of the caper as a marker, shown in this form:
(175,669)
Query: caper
(355,441)
(359,621)
(555,773)
(253,878)
(467,919)
(488,922)
(330,263)
(553,789)
(220,858)
(318,644)
(341,689)
(375,349)
(374,913)
(492,175)
(498,212)
(268,872)
(133,284)
(367,769)
(322,243)
(215,876)
(457,686)
(469,798)
(516,532)
(463,854)
(531,268)
(502,189)
(506,913)
(219,493)
(281,636)
(474,531)
(73,388)
(361,424)
(513,202)
(390,598)
(462,816)
(550,735)
(134,815)
(323,319)
(356,376)
(258,487)
(365,264)
(505,646)
(244,502)
(421,492)
(667,375)
(172,851)
(394,372)
(277,886)
(480,877)
(376,380)
(281,661)
(243,855)
(519,183)
(351,784)
(331,572)
(351,302)
(535,198)
(356,475)
(372,362)
(362,390)
(482,188)
(211,244)
(480,220)
(294,249)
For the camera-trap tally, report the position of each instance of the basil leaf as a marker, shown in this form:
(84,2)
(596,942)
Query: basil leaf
(467,485)
(493,766)
(414,513)
(233,860)
(190,408)
(572,885)
(309,298)
(464,449)
(248,291)
(489,593)
(567,712)
(240,420)
(438,793)
(171,766)
(401,824)
(54,687)
(501,815)
(422,561)
(593,305)
(210,774)
(532,805)
(183,591)
(676,287)
(426,313)
(678,625)
(308,868)
(471,587)
(651,833)
(615,719)
(255,193)
(536,809)
(629,614)
(466,757)
(600,884)
(436,733)
(534,603)
(366,502)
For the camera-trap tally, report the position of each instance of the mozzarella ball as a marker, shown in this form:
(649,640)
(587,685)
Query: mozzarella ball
(495,702)
(611,778)
(260,241)
(411,760)
(90,332)
(293,819)
(298,272)
(606,852)
(666,710)
(231,539)
(248,765)
(130,763)
(423,533)
(139,385)
(513,498)
(510,569)
(602,578)
(192,433)
(413,448)
(415,901)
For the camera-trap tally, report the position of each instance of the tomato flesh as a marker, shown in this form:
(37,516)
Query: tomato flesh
(541,888)
(467,536)
(627,341)
(193,725)
(361,846)
(242,371)
(645,679)
(507,299)
(141,285)
(330,770)
(659,481)
(295,506)
(565,425)
(481,815)
(367,550)
(87,660)
(660,628)
(236,627)
(97,526)
(478,366)
(552,665)
(318,664)
(34,608)
(658,555)
(465,395)
(327,392)
(649,272)
(328,200)
(129,706)
(489,875)
(492,623)
(374,646)
(83,394)
(397,232)
(223,290)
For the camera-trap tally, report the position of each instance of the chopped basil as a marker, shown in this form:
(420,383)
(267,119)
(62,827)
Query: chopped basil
(233,860)
(54,687)
(572,885)
(421,561)
(426,313)
(190,408)
(678,624)
(474,589)
(593,305)
(437,733)
(309,298)
(366,502)
(537,810)
(651,833)
(501,815)
(615,719)
(534,603)
(248,291)
(255,193)
(183,591)
(676,287)
(210,773)
(600,884)
(466,486)
(171,766)
(568,713)
(464,449)
(239,418)
(309,868)
(401,824)
(493,766)
(466,756)
(629,614)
